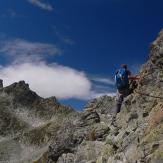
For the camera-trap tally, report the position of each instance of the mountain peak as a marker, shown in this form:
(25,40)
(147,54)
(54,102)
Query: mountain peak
(21,93)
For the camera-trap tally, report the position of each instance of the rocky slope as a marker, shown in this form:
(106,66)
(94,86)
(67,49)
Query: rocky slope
(27,122)
(138,135)
(38,130)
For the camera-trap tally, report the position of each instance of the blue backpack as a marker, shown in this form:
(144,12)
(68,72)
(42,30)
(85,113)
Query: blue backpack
(121,78)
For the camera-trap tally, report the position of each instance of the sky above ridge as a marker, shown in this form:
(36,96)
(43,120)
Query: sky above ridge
(71,48)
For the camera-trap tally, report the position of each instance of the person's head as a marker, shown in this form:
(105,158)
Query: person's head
(124,66)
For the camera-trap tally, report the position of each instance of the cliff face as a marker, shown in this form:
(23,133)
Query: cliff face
(34,129)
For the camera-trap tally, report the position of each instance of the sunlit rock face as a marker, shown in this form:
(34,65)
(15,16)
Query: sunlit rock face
(33,129)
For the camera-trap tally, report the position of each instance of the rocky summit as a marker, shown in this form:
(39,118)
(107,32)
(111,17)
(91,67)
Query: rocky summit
(38,130)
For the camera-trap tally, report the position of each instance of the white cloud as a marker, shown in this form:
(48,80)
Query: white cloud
(65,39)
(41,4)
(23,50)
(95,94)
(28,63)
(108,81)
(102,86)
(68,41)
(11,14)
(52,80)
(49,80)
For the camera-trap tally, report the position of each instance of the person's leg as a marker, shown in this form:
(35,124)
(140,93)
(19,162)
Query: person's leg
(119,104)
(119,100)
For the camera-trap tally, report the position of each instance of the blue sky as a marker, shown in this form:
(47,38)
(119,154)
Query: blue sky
(71,49)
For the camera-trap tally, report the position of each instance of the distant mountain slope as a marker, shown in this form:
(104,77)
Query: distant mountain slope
(27,122)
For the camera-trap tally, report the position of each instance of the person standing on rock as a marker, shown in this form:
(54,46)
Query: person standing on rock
(125,84)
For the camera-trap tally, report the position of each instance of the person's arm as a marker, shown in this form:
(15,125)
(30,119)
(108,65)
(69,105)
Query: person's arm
(137,77)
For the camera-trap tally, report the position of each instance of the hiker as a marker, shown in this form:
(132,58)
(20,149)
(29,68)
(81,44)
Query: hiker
(125,84)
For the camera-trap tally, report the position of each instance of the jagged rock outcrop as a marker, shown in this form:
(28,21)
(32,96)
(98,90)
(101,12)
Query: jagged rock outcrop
(62,135)
(27,122)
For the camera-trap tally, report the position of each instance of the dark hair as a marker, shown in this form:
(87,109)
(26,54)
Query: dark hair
(124,66)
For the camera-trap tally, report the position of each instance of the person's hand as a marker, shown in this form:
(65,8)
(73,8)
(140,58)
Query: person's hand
(137,77)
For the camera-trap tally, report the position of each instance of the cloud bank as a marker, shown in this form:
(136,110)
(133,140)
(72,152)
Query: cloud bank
(41,4)
(103,80)
(49,80)
(28,62)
